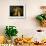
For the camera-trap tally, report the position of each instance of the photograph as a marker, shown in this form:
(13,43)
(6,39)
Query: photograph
(16,11)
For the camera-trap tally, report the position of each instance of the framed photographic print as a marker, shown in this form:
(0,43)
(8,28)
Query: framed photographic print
(17,11)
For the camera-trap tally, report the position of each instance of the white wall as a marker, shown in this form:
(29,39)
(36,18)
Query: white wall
(26,26)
